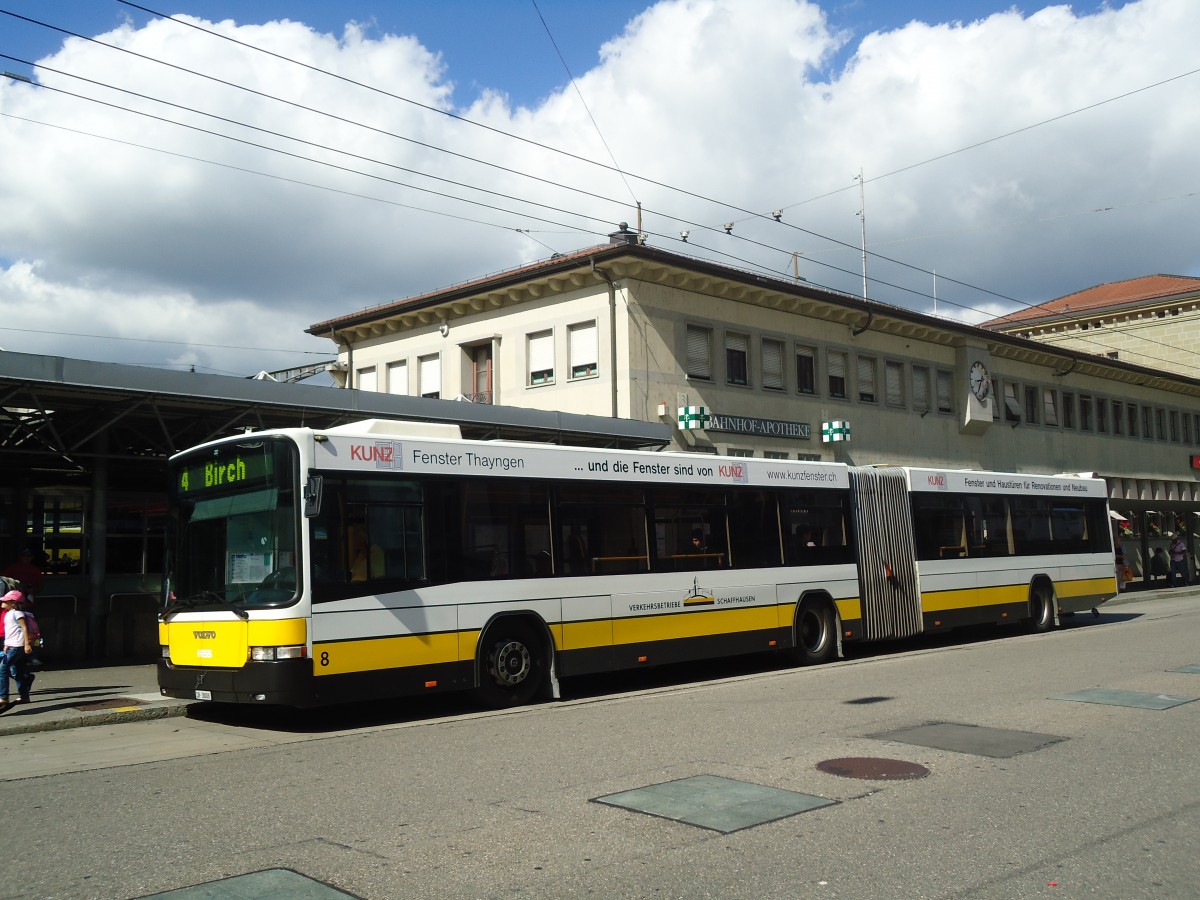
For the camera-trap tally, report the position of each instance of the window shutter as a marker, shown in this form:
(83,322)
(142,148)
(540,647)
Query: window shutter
(541,356)
(772,362)
(368,379)
(945,396)
(431,376)
(397,376)
(894,373)
(583,348)
(699,362)
(920,378)
(866,378)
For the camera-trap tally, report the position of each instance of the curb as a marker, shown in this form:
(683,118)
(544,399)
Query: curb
(119,715)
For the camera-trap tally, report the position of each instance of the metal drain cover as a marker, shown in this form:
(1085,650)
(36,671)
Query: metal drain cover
(873,768)
(115,703)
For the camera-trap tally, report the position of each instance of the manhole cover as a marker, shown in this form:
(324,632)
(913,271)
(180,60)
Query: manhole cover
(872,768)
(115,703)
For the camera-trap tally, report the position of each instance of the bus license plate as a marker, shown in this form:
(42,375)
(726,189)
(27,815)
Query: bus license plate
(203,695)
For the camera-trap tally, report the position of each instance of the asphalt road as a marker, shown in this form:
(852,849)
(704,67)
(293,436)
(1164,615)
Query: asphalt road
(410,800)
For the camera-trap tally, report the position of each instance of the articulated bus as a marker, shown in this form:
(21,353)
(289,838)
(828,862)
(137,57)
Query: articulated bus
(383,559)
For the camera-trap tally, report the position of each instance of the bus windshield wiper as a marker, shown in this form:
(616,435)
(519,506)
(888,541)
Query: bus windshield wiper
(204,598)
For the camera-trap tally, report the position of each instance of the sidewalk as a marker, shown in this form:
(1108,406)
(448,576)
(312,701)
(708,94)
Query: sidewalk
(89,695)
(108,694)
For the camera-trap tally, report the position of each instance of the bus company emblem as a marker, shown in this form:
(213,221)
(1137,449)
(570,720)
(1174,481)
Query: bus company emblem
(699,596)
(385,454)
(204,635)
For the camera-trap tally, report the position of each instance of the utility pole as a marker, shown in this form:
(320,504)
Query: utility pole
(862,216)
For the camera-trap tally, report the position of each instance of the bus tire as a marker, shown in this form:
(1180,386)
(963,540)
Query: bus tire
(512,664)
(816,638)
(1041,609)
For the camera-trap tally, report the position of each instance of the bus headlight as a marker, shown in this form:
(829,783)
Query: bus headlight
(165,650)
(270,654)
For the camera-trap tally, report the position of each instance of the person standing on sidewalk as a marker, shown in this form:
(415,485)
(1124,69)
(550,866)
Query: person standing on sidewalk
(1179,564)
(18,647)
(27,572)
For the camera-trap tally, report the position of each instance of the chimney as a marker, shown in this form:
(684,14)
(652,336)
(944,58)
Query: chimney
(624,236)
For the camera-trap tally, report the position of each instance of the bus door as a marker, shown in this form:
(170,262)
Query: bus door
(887,567)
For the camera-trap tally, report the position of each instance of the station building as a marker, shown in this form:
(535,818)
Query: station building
(739,363)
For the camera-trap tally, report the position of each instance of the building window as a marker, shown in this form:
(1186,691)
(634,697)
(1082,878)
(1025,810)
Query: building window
(584,349)
(1187,428)
(772,364)
(1050,406)
(541,357)
(481,374)
(1012,406)
(1068,410)
(774,454)
(734,451)
(1085,412)
(1174,427)
(835,362)
(920,385)
(737,357)
(1148,422)
(1118,409)
(1031,405)
(866,379)
(1131,413)
(367,379)
(397,377)
(945,391)
(1160,422)
(1102,415)
(893,377)
(806,369)
(699,352)
(429,372)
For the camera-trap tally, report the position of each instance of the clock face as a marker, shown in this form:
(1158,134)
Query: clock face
(980,384)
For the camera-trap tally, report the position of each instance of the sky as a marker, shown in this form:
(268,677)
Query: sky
(195,193)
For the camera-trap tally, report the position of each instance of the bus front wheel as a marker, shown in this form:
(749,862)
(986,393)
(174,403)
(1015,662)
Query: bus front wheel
(1041,609)
(816,640)
(512,665)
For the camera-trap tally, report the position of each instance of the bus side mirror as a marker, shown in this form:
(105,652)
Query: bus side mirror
(312,495)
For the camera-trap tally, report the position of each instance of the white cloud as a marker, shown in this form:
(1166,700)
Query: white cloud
(732,100)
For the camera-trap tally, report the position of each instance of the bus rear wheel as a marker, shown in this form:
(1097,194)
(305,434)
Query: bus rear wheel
(512,666)
(816,640)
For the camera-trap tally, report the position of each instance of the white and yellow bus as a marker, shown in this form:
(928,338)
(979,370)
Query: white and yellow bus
(390,558)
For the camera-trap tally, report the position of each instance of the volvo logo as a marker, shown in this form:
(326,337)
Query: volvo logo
(204,635)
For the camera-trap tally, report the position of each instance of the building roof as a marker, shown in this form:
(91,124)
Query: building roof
(628,259)
(1116,295)
(55,409)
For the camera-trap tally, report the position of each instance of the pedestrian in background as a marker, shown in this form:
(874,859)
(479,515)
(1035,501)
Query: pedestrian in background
(1179,564)
(26,571)
(18,648)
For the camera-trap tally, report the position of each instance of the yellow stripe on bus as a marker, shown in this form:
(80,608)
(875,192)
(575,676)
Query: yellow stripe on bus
(367,655)
(698,624)
(1089,587)
(970,598)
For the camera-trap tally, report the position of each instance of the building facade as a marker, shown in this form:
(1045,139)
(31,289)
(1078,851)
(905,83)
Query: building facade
(1150,321)
(743,364)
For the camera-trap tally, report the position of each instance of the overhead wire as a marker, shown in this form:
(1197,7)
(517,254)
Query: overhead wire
(726,205)
(788,254)
(583,102)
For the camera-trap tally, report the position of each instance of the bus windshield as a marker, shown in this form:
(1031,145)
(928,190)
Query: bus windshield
(233,526)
